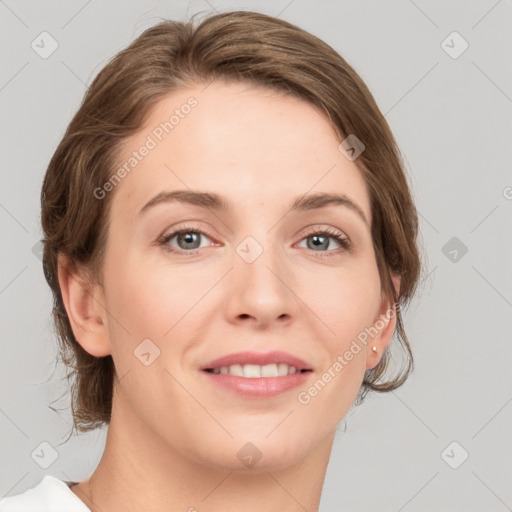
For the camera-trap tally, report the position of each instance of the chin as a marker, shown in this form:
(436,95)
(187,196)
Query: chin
(254,455)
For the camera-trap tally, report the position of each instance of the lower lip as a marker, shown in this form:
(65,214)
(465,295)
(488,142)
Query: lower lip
(263,387)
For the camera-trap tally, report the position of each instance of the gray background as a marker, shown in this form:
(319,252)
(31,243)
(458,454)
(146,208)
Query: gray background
(452,120)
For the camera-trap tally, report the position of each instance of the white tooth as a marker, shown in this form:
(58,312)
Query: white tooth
(237,370)
(252,371)
(269,370)
(255,371)
(282,369)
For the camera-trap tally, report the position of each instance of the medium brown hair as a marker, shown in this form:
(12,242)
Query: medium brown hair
(233,46)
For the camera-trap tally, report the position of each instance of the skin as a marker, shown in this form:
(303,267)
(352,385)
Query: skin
(174,437)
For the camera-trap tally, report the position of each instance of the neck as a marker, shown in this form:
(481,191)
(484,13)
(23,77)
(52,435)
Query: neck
(138,471)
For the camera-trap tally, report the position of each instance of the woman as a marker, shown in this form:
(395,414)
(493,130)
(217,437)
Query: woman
(229,238)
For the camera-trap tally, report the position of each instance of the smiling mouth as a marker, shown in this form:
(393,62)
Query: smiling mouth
(255,371)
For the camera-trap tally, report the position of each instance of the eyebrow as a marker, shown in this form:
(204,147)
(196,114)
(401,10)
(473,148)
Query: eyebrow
(213,201)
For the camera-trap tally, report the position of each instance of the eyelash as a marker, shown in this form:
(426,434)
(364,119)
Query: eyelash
(332,233)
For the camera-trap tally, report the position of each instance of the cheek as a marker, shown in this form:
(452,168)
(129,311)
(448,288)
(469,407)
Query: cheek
(346,301)
(135,306)
(154,300)
(145,289)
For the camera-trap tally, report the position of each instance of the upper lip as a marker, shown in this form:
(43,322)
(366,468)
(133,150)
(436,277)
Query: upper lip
(259,358)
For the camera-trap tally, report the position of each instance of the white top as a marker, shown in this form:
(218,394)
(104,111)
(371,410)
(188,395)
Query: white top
(49,495)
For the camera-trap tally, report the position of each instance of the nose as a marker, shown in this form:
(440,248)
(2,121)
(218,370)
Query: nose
(261,292)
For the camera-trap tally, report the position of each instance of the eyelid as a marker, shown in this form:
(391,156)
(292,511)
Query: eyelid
(316,228)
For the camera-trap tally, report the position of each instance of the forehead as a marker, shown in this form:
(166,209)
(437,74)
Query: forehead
(250,144)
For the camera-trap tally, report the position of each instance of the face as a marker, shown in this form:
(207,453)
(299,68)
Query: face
(257,275)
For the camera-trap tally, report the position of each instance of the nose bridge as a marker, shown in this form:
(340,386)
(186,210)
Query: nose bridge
(258,255)
(258,279)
